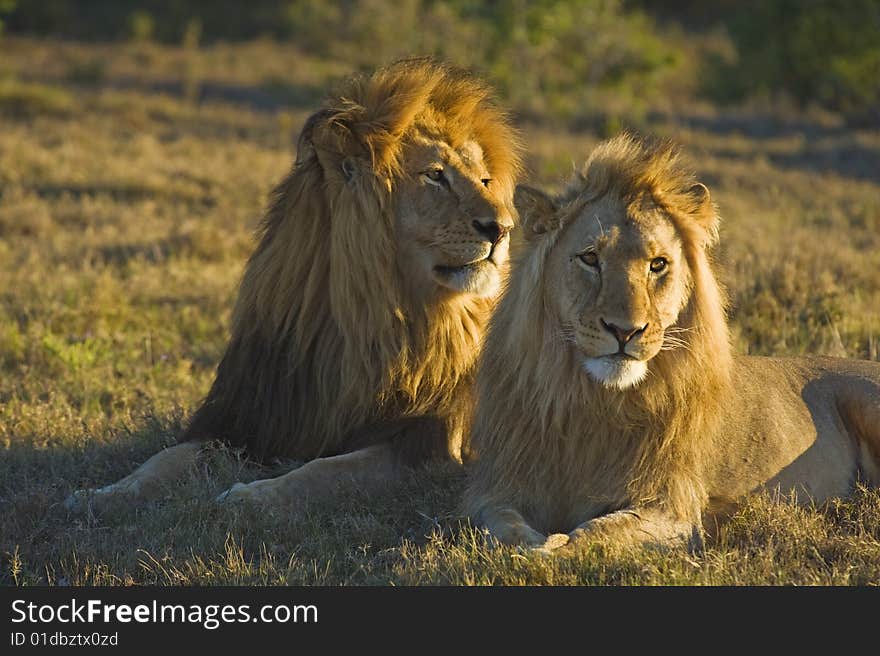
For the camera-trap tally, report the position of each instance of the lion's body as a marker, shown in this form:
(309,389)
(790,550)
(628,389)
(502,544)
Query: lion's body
(652,457)
(811,425)
(362,310)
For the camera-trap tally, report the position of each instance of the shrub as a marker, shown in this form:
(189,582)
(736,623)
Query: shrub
(6,6)
(821,51)
(557,58)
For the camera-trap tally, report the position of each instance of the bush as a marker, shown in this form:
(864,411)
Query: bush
(559,58)
(6,6)
(573,58)
(821,51)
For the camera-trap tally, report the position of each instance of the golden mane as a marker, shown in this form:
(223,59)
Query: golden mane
(629,166)
(324,340)
(539,418)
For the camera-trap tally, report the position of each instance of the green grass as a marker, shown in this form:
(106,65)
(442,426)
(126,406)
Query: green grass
(127,205)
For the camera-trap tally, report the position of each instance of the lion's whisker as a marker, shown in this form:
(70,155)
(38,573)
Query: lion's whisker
(673,343)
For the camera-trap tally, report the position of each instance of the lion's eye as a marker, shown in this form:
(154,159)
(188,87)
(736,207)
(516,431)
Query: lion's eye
(590,258)
(659,264)
(486,181)
(434,175)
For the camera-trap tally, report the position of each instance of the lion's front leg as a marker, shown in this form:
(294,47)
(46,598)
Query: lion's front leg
(364,470)
(147,482)
(638,526)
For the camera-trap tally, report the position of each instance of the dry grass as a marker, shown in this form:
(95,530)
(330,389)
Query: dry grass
(131,178)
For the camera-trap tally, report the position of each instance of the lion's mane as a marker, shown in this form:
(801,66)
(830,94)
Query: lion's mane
(324,341)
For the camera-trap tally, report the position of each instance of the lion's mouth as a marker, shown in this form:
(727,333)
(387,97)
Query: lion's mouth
(446,270)
(480,277)
(616,372)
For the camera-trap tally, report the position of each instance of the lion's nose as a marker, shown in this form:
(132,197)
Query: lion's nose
(492,230)
(623,335)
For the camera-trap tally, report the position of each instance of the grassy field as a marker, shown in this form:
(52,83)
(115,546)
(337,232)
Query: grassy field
(131,179)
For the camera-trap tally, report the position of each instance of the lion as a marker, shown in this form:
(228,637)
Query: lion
(609,404)
(361,313)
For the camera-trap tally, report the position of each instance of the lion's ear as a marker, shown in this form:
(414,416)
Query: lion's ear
(700,196)
(537,211)
(704,211)
(329,136)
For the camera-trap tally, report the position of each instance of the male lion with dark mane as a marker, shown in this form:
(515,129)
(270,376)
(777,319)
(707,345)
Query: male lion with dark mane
(609,405)
(361,312)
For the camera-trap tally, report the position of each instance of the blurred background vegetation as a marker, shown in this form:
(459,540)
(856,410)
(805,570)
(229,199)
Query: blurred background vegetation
(573,60)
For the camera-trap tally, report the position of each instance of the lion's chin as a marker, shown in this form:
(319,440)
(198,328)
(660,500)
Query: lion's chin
(480,278)
(616,372)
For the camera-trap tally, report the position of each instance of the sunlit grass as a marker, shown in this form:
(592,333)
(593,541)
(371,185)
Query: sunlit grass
(126,216)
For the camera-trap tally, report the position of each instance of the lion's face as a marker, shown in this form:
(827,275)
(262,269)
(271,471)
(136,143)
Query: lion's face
(452,224)
(617,280)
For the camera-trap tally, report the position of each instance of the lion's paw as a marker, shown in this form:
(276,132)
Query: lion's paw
(256,492)
(520,535)
(236,494)
(556,540)
(553,542)
(99,499)
(78,501)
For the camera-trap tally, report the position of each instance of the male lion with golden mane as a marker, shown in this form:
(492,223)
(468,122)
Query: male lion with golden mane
(361,312)
(609,405)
